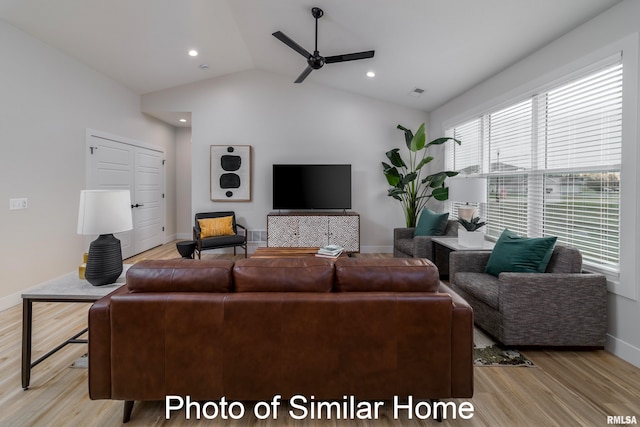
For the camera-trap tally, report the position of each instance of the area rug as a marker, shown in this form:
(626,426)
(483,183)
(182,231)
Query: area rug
(81,362)
(486,352)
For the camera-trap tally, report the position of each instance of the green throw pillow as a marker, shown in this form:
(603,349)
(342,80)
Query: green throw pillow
(520,254)
(431,223)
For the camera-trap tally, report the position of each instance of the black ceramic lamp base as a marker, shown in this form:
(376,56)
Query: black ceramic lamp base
(104,263)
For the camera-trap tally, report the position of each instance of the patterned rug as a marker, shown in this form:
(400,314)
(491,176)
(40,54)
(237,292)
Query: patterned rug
(81,362)
(486,352)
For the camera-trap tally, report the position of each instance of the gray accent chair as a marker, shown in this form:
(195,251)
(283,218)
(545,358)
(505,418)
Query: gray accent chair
(561,307)
(405,245)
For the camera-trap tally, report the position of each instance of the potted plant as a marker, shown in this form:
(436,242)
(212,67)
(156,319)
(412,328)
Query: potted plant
(405,180)
(469,235)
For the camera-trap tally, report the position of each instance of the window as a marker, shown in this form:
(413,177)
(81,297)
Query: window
(552,163)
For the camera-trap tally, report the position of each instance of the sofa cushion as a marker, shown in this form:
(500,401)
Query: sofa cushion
(180,275)
(386,275)
(516,254)
(484,287)
(431,223)
(308,274)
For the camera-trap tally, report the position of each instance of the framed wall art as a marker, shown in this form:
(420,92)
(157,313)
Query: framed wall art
(231,173)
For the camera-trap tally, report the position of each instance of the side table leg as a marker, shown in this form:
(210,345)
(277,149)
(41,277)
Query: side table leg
(27,318)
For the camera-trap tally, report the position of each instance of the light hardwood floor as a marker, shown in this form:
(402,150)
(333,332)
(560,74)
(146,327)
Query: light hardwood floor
(567,388)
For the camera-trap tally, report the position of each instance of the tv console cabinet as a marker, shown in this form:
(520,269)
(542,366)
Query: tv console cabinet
(314,229)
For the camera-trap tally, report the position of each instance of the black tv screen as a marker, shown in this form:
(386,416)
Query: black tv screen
(311,186)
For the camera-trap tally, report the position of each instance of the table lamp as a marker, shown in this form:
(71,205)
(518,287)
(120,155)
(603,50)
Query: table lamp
(104,212)
(468,190)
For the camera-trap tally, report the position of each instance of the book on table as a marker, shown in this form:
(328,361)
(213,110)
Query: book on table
(330,251)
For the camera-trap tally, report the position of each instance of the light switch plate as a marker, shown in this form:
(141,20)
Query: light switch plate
(15,204)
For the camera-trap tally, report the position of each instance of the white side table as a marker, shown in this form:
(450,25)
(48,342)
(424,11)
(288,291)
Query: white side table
(443,246)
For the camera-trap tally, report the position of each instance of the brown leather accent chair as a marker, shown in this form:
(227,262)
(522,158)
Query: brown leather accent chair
(363,327)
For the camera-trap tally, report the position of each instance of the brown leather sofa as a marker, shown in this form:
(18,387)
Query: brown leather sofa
(363,327)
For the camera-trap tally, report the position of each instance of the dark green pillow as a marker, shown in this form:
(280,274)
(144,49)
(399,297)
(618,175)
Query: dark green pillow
(431,223)
(513,253)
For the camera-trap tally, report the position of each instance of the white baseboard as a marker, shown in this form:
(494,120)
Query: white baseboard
(11,300)
(15,298)
(623,350)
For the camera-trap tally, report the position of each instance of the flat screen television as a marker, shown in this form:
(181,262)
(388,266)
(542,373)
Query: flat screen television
(311,186)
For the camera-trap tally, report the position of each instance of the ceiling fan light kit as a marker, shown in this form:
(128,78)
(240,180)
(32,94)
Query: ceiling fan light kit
(315,61)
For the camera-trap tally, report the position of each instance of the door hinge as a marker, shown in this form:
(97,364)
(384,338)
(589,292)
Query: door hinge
(163,162)
(93,148)
(162,228)
(163,195)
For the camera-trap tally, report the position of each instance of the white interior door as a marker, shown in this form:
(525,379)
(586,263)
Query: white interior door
(120,165)
(147,200)
(112,167)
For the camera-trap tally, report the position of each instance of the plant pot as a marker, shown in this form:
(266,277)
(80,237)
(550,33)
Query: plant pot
(470,239)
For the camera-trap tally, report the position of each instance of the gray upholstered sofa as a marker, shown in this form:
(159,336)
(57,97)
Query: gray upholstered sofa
(405,245)
(561,307)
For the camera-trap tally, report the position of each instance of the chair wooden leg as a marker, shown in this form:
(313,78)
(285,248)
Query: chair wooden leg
(128,408)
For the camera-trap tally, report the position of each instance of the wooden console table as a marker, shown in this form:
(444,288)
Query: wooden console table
(271,252)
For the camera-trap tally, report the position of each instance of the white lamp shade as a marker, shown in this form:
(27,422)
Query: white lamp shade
(104,212)
(469,190)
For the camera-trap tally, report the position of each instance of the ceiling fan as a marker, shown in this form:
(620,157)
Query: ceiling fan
(316,61)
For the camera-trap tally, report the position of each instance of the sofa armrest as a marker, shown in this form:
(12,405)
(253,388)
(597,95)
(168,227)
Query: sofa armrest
(403,233)
(571,307)
(100,346)
(468,262)
(461,344)
(423,247)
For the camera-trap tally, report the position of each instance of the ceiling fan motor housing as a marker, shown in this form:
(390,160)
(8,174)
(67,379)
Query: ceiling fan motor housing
(316,61)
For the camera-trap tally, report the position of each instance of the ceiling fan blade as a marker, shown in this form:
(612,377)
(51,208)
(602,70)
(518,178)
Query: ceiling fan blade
(349,57)
(293,45)
(304,74)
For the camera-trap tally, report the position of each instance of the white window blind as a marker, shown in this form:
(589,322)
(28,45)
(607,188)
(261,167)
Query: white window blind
(581,131)
(467,157)
(509,141)
(552,163)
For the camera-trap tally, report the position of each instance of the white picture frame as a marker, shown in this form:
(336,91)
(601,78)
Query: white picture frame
(230,173)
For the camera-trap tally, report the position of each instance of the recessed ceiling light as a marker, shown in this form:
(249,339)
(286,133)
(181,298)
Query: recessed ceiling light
(371,74)
(193,52)
(183,120)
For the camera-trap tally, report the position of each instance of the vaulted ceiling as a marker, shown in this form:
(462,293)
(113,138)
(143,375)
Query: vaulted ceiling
(444,47)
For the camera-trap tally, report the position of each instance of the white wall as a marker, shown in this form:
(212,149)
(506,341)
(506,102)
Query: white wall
(609,27)
(184,218)
(289,123)
(47,100)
